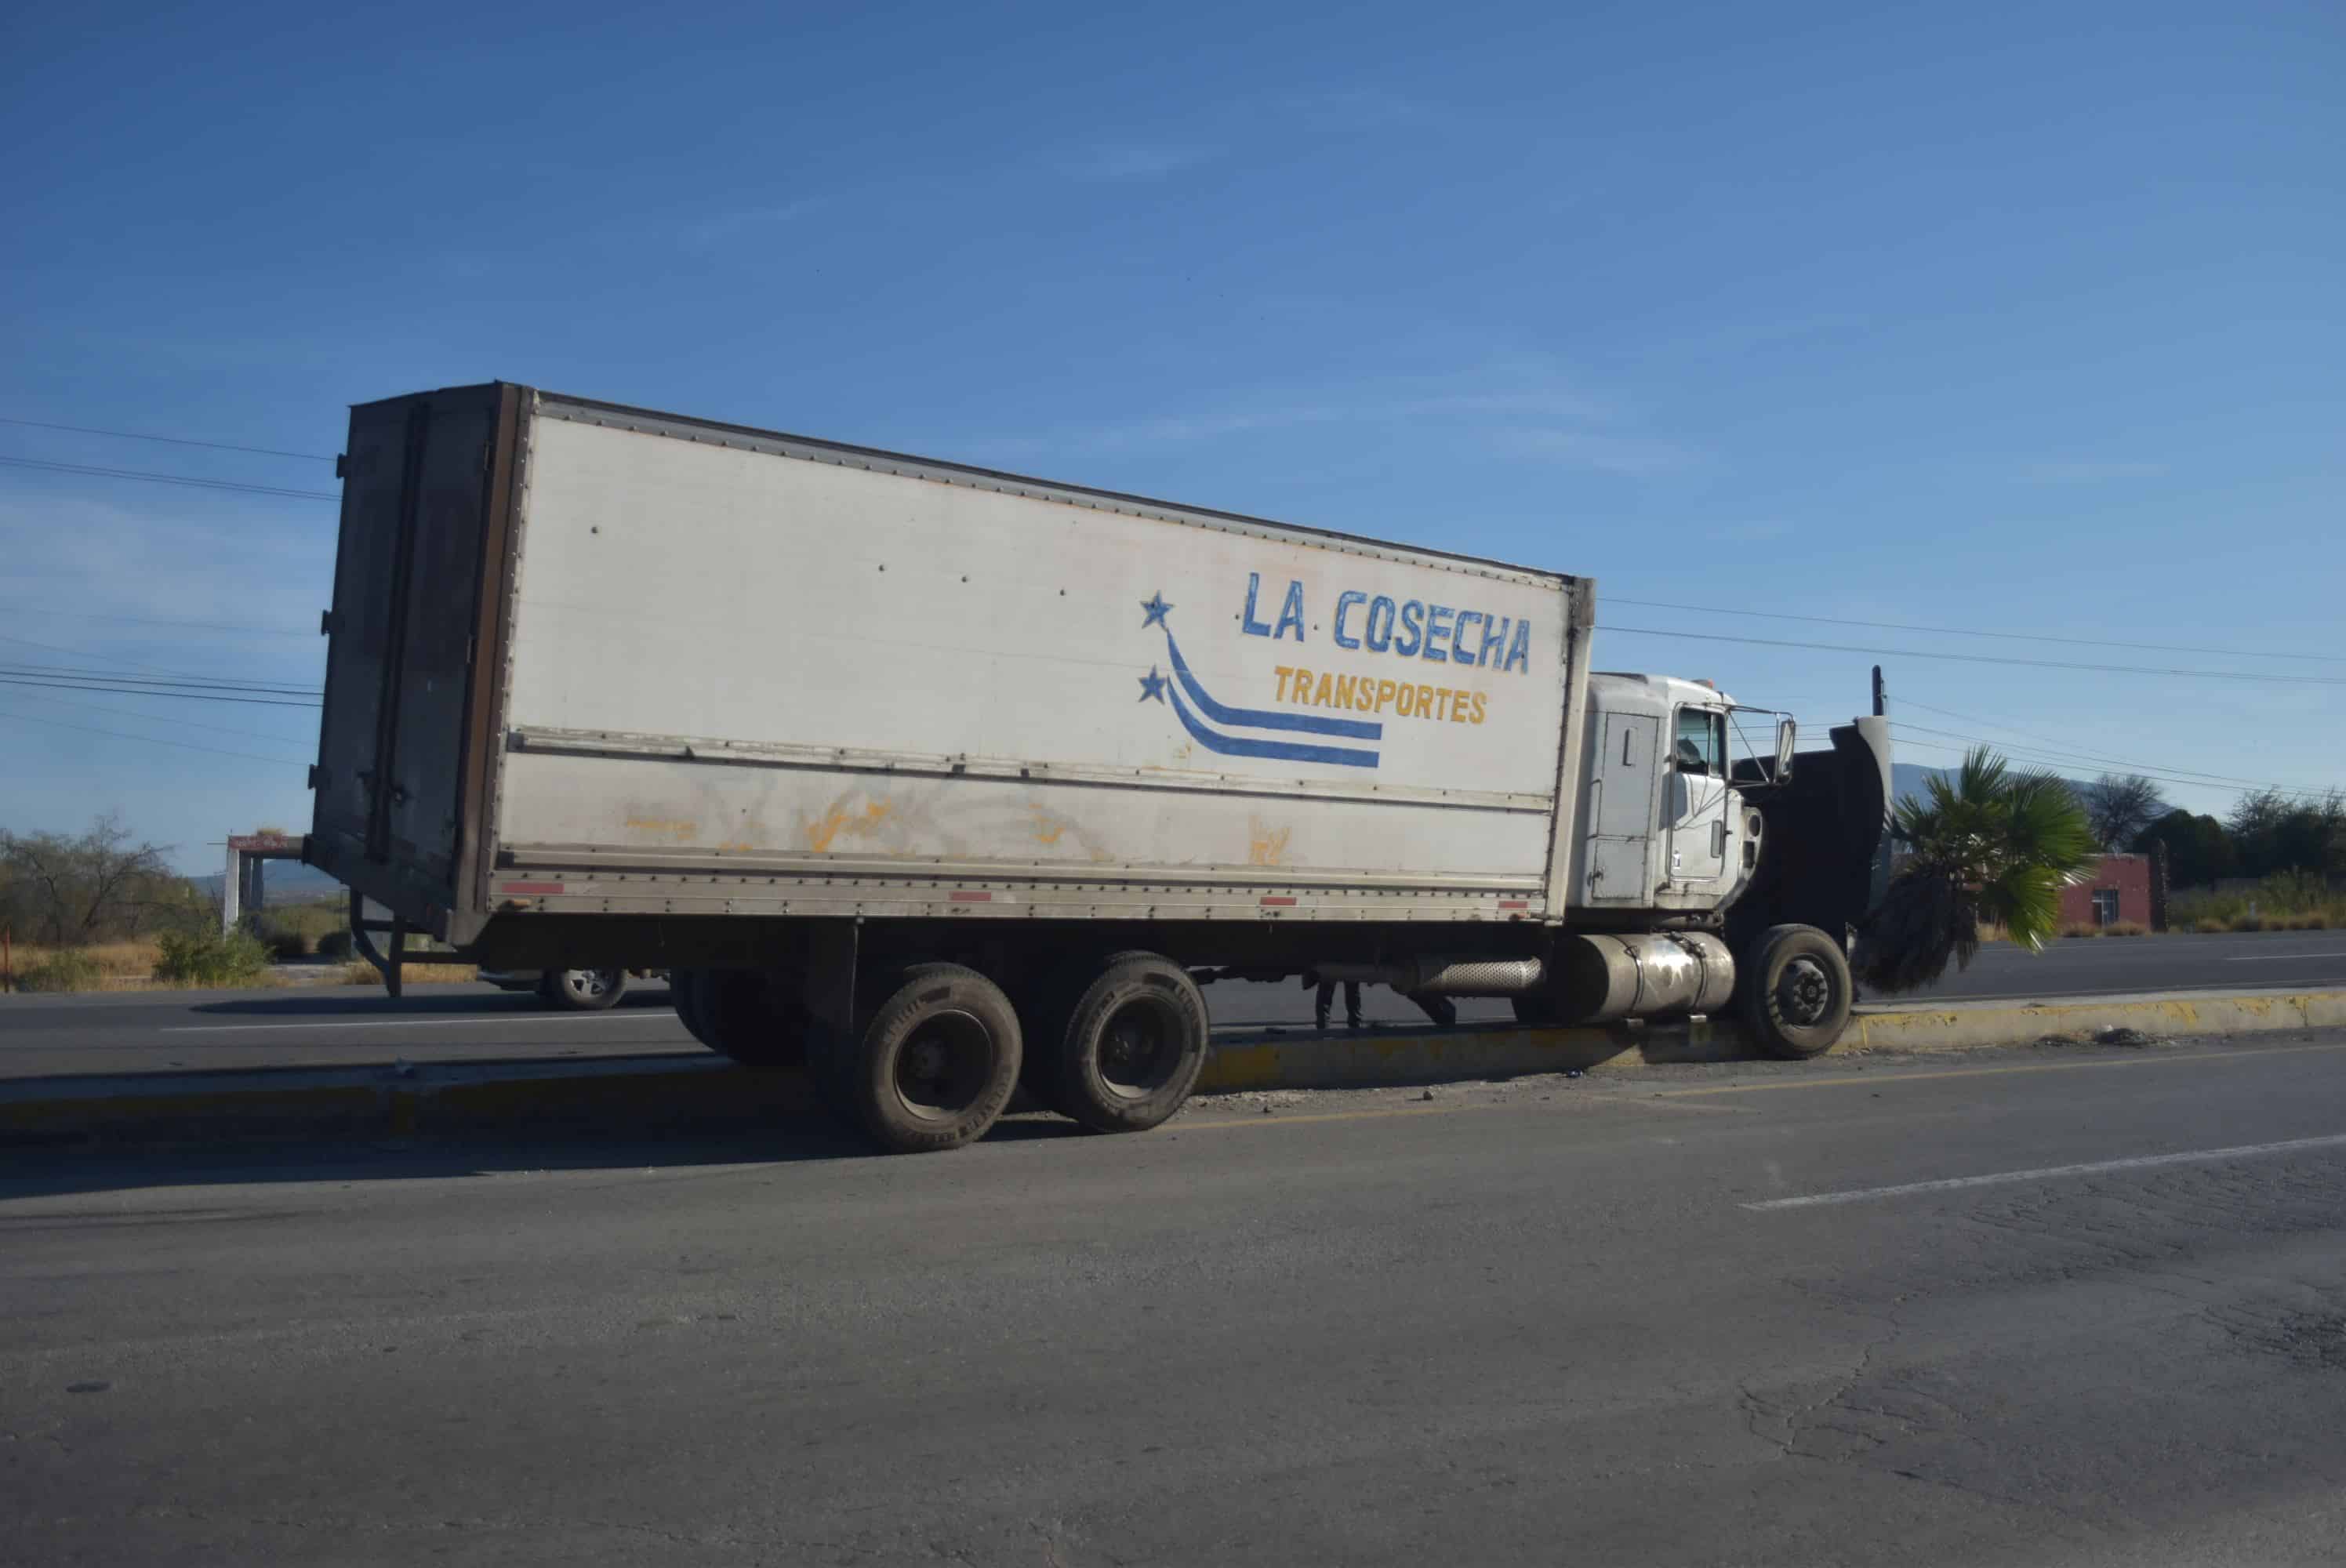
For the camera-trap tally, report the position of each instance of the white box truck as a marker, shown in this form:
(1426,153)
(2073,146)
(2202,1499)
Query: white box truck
(946,777)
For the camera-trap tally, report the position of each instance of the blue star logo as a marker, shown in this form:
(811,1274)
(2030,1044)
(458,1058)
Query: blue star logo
(1152,684)
(1156,607)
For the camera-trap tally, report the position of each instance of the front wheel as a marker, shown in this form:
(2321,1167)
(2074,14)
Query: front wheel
(583,990)
(1796,992)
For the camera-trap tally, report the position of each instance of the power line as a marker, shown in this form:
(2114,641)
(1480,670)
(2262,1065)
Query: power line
(1974,632)
(150,739)
(2098,757)
(80,653)
(172,440)
(222,683)
(1987,658)
(1907,733)
(23,609)
(149,718)
(154,478)
(146,691)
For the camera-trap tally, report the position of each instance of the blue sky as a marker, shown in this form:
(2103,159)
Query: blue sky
(2027,319)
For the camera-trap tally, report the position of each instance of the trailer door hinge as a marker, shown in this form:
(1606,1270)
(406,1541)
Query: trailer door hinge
(341,465)
(329,622)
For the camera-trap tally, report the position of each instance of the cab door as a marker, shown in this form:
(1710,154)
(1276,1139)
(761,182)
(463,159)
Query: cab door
(1696,803)
(1621,809)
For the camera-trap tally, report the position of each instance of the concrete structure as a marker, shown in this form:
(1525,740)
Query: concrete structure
(2119,890)
(242,889)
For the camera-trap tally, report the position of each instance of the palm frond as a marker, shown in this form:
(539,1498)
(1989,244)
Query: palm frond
(1986,842)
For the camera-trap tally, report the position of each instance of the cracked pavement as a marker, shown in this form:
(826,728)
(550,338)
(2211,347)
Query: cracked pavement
(1528,1322)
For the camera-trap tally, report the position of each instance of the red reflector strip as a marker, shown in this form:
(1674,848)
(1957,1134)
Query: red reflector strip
(969,897)
(1514,903)
(1277,904)
(529,888)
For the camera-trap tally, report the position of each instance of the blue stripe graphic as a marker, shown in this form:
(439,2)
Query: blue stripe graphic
(1282,750)
(1262,719)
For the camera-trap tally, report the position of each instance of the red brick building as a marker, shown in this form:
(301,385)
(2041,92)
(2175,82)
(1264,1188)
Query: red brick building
(2119,890)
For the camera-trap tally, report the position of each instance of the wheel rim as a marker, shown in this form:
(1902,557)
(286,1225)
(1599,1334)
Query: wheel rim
(587,984)
(1803,993)
(1139,1048)
(943,1065)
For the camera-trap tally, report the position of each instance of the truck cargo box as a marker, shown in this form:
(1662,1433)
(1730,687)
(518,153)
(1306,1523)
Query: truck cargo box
(591,659)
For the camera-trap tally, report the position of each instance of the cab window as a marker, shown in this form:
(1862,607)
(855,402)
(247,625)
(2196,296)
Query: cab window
(1701,743)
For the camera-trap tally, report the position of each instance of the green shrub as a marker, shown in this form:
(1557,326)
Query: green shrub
(211,959)
(335,944)
(286,945)
(67,970)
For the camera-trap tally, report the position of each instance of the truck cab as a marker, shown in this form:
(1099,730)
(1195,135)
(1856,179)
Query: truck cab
(1664,828)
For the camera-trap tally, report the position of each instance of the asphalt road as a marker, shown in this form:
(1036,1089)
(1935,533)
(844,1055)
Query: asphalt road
(332,1025)
(2010,1308)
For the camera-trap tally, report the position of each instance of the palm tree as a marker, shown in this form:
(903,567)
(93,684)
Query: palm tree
(1987,845)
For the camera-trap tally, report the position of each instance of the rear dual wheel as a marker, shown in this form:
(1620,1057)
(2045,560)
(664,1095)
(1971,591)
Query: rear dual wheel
(744,1014)
(934,1065)
(1124,1052)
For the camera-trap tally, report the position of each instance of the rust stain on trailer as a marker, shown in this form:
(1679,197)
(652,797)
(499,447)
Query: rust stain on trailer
(1266,845)
(842,817)
(677,830)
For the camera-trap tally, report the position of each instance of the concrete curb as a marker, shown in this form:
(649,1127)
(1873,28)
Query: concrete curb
(678,1092)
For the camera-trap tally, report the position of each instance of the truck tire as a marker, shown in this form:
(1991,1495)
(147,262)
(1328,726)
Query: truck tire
(933,1066)
(683,995)
(582,990)
(1796,992)
(1132,1047)
(744,1014)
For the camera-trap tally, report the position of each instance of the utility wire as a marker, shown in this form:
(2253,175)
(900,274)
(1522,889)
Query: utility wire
(150,739)
(149,718)
(172,440)
(222,683)
(1986,659)
(2102,757)
(1974,632)
(80,653)
(1909,735)
(23,609)
(154,478)
(143,691)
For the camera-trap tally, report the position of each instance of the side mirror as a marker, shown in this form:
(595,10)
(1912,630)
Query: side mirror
(1788,734)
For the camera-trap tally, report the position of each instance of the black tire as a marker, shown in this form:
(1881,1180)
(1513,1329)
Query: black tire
(1132,1047)
(685,994)
(582,990)
(1796,991)
(1536,1007)
(750,1018)
(936,1065)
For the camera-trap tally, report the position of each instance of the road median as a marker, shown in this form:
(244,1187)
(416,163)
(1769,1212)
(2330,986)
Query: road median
(684,1092)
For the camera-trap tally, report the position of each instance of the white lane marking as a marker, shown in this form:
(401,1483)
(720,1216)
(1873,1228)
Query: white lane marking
(2141,1162)
(407,1022)
(2278,957)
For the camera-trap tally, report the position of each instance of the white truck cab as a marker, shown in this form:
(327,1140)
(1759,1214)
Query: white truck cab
(1663,828)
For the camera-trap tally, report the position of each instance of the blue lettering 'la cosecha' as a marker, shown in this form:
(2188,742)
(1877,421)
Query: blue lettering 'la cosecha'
(1412,628)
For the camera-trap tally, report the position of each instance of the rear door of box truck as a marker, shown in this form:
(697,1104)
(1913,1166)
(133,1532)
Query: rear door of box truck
(406,723)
